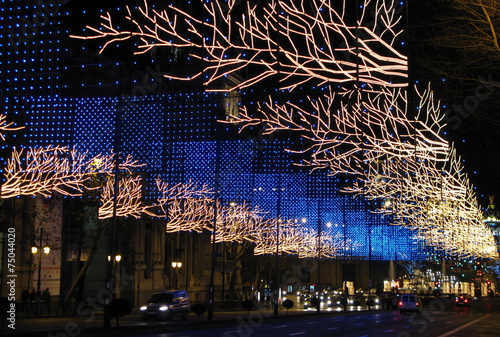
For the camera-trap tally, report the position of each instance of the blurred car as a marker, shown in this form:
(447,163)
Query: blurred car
(166,305)
(373,300)
(334,301)
(410,303)
(311,301)
(307,302)
(462,300)
(355,300)
(437,292)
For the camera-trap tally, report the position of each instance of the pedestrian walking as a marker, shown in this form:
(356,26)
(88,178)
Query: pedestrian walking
(25,300)
(32,299)
(46,300)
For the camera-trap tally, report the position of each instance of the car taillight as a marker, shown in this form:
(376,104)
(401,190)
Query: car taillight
(456,299)
(400,304)
(466,300)
(417,304)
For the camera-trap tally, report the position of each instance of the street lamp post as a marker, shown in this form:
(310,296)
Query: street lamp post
(34,251)
(176,265)
(116,262)
(276,276)
(318,304)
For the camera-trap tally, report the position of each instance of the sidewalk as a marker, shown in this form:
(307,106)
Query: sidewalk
(91,324)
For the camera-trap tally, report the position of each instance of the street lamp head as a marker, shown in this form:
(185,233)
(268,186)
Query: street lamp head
(46,250)
(118,258)
(34,250)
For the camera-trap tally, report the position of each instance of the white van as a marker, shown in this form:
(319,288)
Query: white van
(410,303)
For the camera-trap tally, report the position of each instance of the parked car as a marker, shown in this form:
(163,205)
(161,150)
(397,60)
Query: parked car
(462,301)
(166,305)
(410,303)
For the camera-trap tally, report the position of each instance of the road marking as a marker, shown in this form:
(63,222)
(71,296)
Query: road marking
(387,331)
(313,322)
(333,328)
(462,327)
(359,324)
(297,333)
(280,326)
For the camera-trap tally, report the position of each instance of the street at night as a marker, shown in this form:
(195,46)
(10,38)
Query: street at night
(438,319)
(250,168)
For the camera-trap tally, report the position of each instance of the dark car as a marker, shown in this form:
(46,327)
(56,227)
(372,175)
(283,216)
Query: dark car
(355,300)
(372,300)
(166,305)
(462,301)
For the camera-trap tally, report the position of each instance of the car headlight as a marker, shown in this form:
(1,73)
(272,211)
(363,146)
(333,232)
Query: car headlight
(144,308)
(163,308)
(376,300)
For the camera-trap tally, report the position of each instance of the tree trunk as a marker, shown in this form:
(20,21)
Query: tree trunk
(257,279)
(237,253)
(84,267)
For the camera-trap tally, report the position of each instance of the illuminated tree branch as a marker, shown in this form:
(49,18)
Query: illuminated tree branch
(4,126)
(129,200)
(50,169)
(43,171)
(297,41)
(404,162)
(238,222)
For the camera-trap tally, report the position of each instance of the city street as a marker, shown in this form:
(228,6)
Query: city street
(438,319)
(482,319)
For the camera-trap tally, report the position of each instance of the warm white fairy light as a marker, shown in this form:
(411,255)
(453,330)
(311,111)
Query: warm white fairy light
(405,162)
(129,202)
(42,171)
(238,222)
(105,163)
(298,41)
(365,132)
(186,207)
(190,214)
(4,126)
